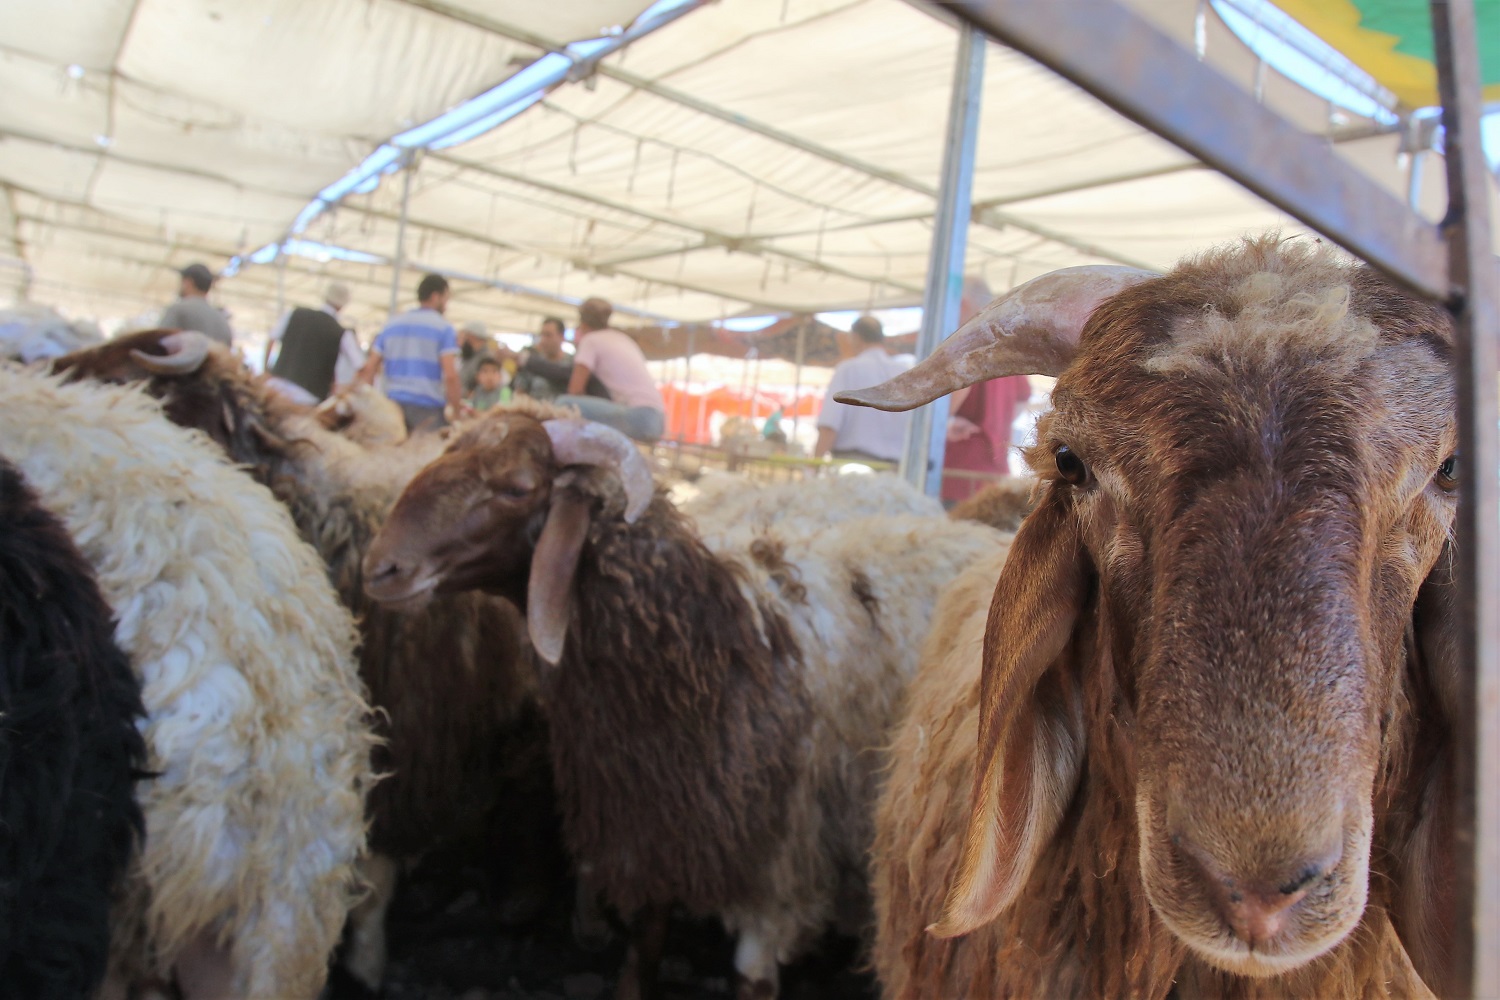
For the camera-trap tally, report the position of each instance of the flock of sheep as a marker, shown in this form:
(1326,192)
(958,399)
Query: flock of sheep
(1183,733)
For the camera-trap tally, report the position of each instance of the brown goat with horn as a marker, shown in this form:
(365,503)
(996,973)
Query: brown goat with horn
(1206,739)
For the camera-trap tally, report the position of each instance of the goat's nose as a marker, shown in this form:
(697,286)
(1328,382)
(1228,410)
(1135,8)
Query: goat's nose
(1256,916)
(382,574)
(1256,909)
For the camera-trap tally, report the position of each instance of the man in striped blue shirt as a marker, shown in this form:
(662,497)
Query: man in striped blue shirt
(419,352)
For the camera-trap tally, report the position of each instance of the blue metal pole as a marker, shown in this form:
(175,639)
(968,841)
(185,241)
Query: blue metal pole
(926,438)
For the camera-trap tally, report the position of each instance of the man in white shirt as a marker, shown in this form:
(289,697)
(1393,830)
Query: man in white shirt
(859,432)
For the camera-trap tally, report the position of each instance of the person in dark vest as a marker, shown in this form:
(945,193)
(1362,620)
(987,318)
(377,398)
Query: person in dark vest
(313,342)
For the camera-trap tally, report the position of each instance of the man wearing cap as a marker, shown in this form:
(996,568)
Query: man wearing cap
(419,352)
(635,405)
(313,343)
(193,311)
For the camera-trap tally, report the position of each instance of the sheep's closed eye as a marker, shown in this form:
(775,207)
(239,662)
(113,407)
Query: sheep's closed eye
(1447,474)
(1070,466)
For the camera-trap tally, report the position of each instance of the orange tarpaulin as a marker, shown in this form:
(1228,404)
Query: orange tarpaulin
(689,413)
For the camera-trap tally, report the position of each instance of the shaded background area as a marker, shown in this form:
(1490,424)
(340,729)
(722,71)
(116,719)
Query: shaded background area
(449,941)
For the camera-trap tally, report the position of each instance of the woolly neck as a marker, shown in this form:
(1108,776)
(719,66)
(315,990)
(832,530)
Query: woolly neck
(675,714)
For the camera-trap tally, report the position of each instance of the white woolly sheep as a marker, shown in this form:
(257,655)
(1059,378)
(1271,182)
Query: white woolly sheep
(451,681)
(364,415)
(256,727)
(729,505)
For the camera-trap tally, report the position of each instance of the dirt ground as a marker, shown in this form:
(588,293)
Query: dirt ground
(448,941)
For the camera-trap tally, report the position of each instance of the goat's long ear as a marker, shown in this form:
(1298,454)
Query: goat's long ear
(549,588)
(1031,719)
(1435,630)
(1424,893)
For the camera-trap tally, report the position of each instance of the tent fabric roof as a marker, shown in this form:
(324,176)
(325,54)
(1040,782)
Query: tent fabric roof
(211,123)
(749,157)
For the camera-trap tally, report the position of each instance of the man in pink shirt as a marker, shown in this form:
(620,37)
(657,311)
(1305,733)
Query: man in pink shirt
(635,406)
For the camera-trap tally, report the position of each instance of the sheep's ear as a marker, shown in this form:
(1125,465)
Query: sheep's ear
(1424,892)
(549,589)
(1031,736)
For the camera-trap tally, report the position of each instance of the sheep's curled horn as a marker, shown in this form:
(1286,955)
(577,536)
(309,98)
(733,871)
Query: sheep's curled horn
(581,442)
(1031,330)
(186,352)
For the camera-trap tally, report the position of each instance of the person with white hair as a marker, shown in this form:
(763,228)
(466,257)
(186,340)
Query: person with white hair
(317,353)
(859,433)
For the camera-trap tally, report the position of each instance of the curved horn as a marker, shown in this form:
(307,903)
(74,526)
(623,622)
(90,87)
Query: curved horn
(1031,330)
(186,352)
(582,442)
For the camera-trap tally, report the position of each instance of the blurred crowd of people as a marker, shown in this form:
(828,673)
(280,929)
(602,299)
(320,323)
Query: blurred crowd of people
(437,374)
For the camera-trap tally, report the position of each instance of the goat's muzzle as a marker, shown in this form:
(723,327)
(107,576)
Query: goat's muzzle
(1258,898)
(395,582)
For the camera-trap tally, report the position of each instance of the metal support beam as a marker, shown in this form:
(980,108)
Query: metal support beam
(408,167)
(144,164)
(107,233)
(23,292)
(927,434)
(602,268)
(797,381)
(1125,62)
(281,280)
(438,227)
(537,293)
(729,241)
(991,218)
(551,299)
(568,63)
(1094,182)
(639,256)
(1475,303)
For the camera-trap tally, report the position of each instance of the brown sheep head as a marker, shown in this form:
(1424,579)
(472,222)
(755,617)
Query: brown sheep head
(509,500)
(183,368)
(1247,477)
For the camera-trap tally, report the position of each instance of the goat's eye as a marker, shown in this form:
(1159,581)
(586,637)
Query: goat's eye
(1070,466)
(1447,474)
(513,491)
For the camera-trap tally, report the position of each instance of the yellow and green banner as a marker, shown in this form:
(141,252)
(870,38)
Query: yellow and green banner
(1392,41)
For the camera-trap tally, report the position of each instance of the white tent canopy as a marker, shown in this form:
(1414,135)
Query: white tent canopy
(137,135)
(750,156)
